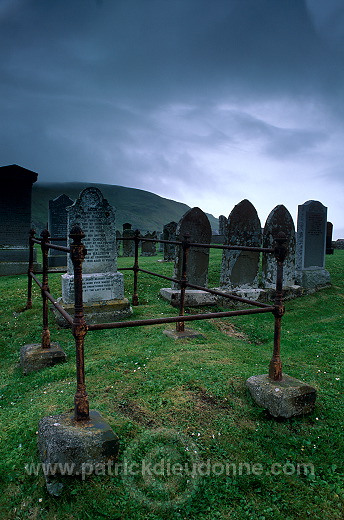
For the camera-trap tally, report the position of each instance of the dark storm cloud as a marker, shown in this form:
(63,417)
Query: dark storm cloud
(137,92)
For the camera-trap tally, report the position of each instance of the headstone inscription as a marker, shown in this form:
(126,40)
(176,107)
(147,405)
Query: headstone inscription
(128,246)
(149,248)
(169,233)
(310,246)
(103,285)
(196,225)
(15,215)
(240,269)
(278,220)
(58,228)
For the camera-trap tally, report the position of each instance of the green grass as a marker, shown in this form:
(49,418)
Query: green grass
(143,383)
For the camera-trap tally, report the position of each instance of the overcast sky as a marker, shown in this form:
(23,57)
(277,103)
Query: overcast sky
(206,102)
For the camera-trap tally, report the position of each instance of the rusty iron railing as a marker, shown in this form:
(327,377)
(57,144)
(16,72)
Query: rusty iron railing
(78,323)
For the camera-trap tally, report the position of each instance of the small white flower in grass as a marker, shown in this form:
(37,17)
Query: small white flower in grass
(40,500)
(337,378)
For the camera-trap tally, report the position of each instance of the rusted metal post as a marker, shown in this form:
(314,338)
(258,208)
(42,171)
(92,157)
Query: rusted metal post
(45,288)
(135,298)
(30,270)
(180,325)
(275,367)
(79,327)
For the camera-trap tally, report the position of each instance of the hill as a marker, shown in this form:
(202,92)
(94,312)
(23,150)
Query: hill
(144,210)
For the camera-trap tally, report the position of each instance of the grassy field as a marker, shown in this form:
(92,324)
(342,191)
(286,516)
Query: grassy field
(184,403)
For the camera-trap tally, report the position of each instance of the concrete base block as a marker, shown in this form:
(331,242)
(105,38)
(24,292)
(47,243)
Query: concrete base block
(247,293)
(75,448)
(286,398)
(193,297)
(186,334)
(33,357)
(97,312)
(313,279)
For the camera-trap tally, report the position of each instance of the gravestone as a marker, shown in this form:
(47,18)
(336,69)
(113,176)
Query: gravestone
(222,225)
(15,215)
(103,285)
(58,228)
(194,223)
(279,219)
(329,232)
(128,246)
(148,248)
(169,233)
(310,246)
(240,269)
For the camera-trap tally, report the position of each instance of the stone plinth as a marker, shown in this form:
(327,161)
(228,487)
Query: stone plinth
(193,297)
(286,398)
(33,357)
(85,446)
(97,312)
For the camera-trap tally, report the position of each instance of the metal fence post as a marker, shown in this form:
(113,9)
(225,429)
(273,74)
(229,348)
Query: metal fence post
(180,325)
(79,327)
(275,367)
(45,288)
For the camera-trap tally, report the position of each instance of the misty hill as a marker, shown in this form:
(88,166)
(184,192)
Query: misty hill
(144,210)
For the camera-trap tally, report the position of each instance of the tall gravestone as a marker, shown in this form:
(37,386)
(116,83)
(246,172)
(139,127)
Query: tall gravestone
(278,220)
(103,285)
(310,246)
(169,233)
(222,225)
(58,228)
(149,248)
(128,246)
(240,269)
(329,232)
(194,223)
(15,215)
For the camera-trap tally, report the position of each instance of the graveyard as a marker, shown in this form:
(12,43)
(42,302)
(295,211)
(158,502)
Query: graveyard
(146,385)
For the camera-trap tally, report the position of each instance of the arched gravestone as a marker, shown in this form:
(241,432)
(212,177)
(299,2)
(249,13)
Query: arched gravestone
(103,285)
(240,269)
(195,223)
(58,228)
(311,245)
(128,246)
(149,248)
(169,233)
(279,219)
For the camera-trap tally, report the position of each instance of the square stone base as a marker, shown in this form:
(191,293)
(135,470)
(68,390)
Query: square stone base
(97,312)
(286,398)
(186,334)
(33,357)
(75,448)
(313,279)
(193,297)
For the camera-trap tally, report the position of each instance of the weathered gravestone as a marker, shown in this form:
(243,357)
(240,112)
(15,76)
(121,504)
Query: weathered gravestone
(310,246)
(149,248)
(128,246)
(329,232)
(58,228)
(103,285)
(169,233)
(222,225)
(240,269)
(278,220)
(15,215)
(194,223)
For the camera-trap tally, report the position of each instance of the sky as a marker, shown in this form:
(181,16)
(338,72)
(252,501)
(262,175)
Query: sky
(207,102)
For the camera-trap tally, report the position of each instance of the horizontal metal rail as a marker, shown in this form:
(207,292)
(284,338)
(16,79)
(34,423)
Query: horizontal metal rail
(174,319)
